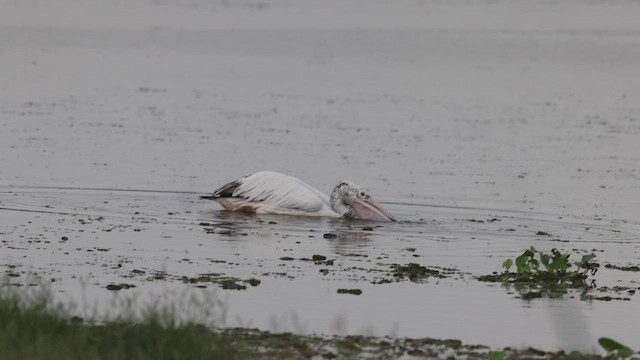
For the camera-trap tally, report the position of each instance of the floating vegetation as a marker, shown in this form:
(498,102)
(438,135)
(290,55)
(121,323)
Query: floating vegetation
(116,287)
(318,258)
(355,255)
(231,284)
(350,291)
(415,273)
(483,221)
(551,280)
(158,275)
(621,293)
(226,282)
(634,268)
(211,229)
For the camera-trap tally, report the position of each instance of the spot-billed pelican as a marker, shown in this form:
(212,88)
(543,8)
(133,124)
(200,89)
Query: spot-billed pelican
(270,192)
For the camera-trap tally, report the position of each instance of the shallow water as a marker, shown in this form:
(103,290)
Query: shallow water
(110,233)
(478,125)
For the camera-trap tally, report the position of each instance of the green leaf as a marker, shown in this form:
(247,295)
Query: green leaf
(534,264)
(523,269)
(625,352)
(584,262)
(496,355)
(612,346)
(507,264)
(609,345)
(559,263)
(522,260)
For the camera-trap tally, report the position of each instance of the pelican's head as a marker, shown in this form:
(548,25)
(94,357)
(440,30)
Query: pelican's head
(351,201)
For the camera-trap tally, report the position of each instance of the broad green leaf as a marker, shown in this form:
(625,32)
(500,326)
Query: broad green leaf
(611,345)
(625,352)
(523,269)
(584,262)
(507,264)
(559,262)
(554,266)
(522,259)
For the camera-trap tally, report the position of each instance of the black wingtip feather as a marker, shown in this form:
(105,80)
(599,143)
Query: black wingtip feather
(225,190)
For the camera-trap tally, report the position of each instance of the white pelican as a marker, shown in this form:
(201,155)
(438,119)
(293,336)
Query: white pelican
(270,192)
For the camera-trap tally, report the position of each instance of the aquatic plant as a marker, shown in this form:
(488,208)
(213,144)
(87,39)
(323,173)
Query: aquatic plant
(557,265)
(350,291)
(616,350)
(414,272)
(539,274)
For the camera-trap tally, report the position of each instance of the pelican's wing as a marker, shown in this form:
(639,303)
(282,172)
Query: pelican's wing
(277,190)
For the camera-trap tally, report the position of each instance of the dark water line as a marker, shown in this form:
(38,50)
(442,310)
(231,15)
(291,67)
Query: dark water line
(37,211)
(73,188)
(472,208)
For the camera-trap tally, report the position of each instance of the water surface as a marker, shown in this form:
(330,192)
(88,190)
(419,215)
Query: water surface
(478,125)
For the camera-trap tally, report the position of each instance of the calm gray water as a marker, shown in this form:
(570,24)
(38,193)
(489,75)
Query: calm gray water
(114,118)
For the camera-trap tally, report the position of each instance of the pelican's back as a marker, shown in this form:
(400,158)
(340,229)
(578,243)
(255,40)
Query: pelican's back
(272,192)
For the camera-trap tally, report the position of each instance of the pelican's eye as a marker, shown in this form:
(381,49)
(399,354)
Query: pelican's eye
(362,194)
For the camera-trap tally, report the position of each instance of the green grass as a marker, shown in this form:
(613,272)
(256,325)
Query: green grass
(31,329)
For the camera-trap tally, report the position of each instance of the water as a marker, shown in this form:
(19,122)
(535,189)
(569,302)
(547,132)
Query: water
(451,114)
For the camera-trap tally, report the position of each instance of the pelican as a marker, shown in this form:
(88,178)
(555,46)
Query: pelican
(269,192)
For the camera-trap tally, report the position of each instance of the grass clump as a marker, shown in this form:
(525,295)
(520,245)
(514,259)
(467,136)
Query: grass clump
(32,328)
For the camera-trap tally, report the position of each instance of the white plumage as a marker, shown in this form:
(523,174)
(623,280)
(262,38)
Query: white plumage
(272,192)
(275,193)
